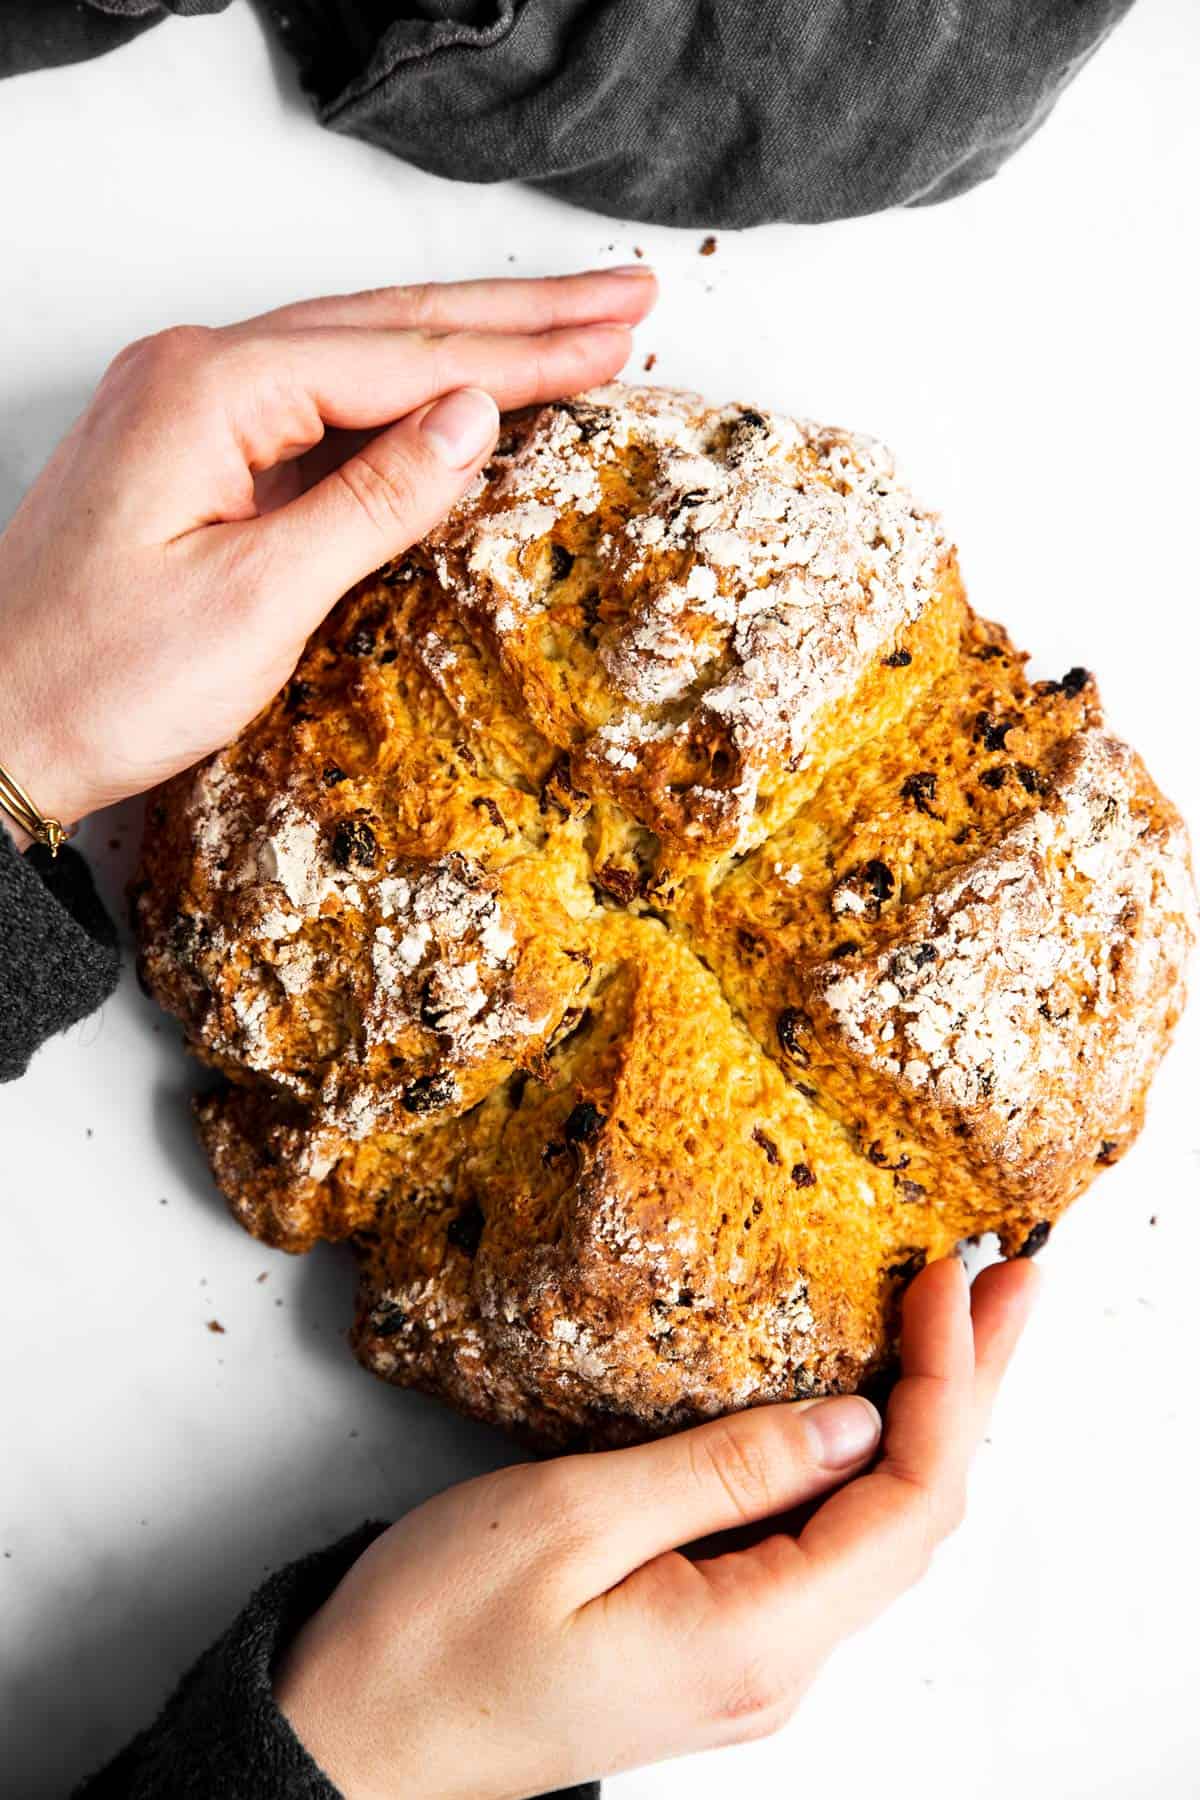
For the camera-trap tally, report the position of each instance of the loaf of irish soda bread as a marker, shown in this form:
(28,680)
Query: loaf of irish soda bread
(656,918)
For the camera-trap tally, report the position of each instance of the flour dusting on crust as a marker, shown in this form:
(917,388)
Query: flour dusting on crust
(442,954)
(1026,989)
(770,562)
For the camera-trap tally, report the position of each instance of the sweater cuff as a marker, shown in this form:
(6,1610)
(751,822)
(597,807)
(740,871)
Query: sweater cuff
(58,949)
(221,1736)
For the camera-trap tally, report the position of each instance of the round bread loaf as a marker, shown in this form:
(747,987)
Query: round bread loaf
(656,918)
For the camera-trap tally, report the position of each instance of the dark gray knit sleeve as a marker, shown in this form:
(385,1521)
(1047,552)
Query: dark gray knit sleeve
(58,949)
(220,1736)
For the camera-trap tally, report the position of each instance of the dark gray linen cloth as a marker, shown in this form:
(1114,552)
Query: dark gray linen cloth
(718,113)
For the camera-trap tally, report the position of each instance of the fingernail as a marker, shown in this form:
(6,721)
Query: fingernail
(626,269)
(461,427)
(846,1428)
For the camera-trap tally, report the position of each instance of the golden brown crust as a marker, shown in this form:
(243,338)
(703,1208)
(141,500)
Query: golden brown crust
(659,915)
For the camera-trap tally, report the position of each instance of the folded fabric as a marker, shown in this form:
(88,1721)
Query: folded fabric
(679,112)
(44,34)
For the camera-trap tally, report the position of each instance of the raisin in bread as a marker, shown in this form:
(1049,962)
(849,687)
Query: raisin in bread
(656,918)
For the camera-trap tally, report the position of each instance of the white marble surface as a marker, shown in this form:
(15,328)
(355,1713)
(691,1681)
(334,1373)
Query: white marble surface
(1031,351)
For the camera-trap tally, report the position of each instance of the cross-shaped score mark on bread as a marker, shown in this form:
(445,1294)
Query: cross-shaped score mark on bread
(659,915)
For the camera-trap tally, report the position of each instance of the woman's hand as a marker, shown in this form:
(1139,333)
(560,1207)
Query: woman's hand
(154,593)
(539,1627)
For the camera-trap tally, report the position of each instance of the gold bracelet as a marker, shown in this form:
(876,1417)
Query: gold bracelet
(17,804)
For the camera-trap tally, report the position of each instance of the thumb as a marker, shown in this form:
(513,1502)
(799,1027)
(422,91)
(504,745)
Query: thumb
(382,499)
(733,1471)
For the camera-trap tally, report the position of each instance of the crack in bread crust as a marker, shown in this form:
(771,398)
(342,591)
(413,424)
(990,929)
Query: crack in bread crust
(656,917)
